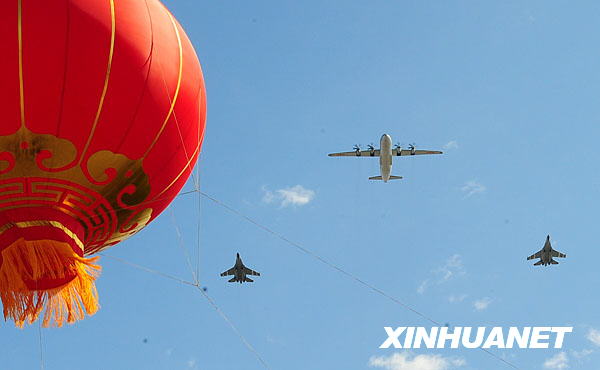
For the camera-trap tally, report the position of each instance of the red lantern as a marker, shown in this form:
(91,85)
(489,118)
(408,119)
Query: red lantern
(103,110)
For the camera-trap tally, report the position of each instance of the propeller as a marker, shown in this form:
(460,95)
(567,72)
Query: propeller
(371,147)
(356,148)
(412,147)
(398,146)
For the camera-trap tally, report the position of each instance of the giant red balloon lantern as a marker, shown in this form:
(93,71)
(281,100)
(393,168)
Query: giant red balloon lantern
(102,110)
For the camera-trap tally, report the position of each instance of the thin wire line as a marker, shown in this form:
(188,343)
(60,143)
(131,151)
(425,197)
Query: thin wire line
(198,245)
(339,269)
(233,327)
(147,269)
(182,246)
(208,298)
(41,340)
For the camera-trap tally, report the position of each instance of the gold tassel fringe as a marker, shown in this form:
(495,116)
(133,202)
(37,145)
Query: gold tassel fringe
(29,265)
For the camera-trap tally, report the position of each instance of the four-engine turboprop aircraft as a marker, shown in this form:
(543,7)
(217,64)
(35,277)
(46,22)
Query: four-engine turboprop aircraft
(546,255)
(385,154)
(239,272)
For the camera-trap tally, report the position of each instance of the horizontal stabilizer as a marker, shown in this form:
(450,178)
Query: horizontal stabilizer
(381,178)
(553,262)
(249,280)
(232,280)
(538,263)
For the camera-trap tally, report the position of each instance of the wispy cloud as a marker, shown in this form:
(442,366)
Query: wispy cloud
(582,354)
(291,196)
(191,363)
(472,187)
(423,286)
(558,361)
(408,361)
(593,336)
(457,298)
(482,304)
(452,267)
(451,145)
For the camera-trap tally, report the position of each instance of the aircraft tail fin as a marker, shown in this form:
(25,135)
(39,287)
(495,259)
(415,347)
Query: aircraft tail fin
(538,263)
(381,178)
(232,280)
(248,280)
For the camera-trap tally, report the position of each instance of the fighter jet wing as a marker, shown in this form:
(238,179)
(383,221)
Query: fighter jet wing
(231,271)
(558,254)
(362,153)
(247,271)
(535,256)
(403,152)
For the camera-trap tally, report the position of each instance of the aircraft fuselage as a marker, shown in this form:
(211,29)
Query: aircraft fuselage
(385,157)
(239,270)
(546,253)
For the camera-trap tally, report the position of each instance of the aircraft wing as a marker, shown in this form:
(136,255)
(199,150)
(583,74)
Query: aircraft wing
(362,153)
(231,271)
(558,254)
(535,256)
(247,271)
(404,152)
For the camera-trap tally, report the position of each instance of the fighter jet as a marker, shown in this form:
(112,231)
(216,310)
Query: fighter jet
(547,255)
(239,272)
(385,154)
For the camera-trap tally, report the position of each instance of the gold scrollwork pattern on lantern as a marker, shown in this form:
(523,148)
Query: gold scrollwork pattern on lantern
(106,194)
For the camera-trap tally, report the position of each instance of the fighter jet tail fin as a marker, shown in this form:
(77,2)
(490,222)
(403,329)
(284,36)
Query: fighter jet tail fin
(232,280)
(381,178)
(538,263)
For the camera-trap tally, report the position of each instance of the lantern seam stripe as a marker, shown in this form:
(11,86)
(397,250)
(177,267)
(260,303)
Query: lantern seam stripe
(180,173)
(107,78)
(20,37)
(55,224)
(176,90)
(185,152)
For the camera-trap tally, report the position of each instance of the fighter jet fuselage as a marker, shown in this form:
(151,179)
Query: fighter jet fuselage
(239,272)
(547,255)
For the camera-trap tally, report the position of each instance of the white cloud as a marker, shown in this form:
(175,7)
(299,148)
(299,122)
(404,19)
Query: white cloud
(593,336)
(558,361)
(582,354)
(472,187)
(482,304)
(191,363)
(407,361)
(457,298)
(423,286)
(452,267)
(451,145)
(294,196)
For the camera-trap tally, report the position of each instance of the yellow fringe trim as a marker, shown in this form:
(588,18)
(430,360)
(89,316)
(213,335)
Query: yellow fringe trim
(25,264)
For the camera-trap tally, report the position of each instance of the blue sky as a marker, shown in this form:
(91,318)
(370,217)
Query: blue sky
(507,89)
